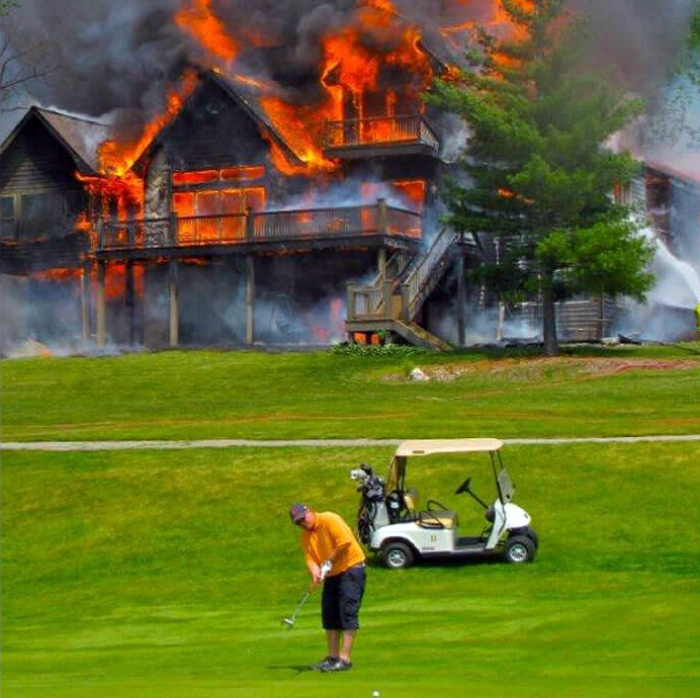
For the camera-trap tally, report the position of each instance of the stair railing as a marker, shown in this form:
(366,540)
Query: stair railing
(421,274)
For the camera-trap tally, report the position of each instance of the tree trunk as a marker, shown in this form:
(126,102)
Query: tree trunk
(549,322)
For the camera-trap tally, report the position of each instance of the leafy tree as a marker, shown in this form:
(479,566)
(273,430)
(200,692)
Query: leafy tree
(539,172)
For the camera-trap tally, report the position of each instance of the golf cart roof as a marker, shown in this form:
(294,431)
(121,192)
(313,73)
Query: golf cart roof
(427,447)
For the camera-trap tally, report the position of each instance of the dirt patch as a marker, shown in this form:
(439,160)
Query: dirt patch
(555,367)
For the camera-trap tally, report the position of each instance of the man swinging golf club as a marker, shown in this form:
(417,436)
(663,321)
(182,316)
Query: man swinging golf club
(333,556)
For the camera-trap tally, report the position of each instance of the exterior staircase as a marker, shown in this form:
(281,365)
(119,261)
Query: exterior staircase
(414,334)
(392,304)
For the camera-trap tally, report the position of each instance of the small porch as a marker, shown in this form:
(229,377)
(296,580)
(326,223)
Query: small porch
(380,136)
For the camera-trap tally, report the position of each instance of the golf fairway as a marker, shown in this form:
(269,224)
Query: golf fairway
(167,574)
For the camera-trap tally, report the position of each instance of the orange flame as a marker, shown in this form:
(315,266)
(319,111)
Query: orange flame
(117,158)
(200,21)
(354,64)
(497,22)
(294,123)
(115,280)
(59,274)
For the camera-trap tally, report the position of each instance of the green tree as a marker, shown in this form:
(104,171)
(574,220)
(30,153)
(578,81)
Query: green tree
(539,172)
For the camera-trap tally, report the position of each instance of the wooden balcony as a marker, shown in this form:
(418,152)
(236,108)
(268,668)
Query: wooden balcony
(296,229)
(379,136)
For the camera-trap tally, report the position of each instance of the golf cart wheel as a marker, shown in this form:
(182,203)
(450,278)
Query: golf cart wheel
(397,555)
(519,549)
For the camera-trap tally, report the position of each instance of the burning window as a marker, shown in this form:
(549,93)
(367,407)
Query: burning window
(208,193)
(246,173)
(216,214)
(220,202)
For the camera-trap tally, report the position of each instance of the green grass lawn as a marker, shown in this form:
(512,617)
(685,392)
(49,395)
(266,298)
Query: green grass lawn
(166,574)
(191,395)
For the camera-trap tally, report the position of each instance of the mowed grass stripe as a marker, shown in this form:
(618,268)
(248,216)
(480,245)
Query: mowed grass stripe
(191,395)
(167,574)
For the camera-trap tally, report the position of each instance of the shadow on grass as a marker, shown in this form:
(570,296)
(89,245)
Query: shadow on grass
(447,561)
(296,668)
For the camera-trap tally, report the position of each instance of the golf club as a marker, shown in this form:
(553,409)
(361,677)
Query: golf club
(289,622)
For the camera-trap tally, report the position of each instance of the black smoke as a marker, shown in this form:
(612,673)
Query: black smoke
(120,56)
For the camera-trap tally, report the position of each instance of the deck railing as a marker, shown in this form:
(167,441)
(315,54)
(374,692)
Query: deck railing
(381,130)
(261,227)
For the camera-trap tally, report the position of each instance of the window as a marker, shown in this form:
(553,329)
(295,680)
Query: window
(224,208)
(42,215)
(8,227)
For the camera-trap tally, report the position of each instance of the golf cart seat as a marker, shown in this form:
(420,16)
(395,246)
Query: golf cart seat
(410,499)
(437,519)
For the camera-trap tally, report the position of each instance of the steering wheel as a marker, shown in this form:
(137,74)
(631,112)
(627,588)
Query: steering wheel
(464,487)
(439,507)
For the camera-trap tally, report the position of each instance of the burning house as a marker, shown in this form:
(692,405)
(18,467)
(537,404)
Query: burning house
(291,209)
(283,195)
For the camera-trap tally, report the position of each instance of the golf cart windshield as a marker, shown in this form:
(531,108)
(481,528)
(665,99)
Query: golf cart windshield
(506,488)
(397,469)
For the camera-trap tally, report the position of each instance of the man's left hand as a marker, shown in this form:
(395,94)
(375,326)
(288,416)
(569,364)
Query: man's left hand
(326,568)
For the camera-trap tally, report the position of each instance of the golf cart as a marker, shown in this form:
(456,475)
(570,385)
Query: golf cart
(389,521)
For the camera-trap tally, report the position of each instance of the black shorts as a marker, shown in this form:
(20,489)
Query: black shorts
(342,596)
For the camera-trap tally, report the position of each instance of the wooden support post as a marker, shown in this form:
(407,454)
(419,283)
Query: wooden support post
(172,229)
(381,216)
(249,299)
(101,310)
(249,228)
(461,301)
(174,303)
(381,263)
(350,310)
(405,303)
(85,302)
(129,302)
(388,292)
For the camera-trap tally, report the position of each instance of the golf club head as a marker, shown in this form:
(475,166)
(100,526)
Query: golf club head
(289,622)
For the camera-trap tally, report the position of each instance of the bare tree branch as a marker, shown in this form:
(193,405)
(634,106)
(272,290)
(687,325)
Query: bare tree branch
(21,65)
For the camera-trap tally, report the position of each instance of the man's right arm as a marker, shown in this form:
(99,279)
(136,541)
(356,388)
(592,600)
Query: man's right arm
(314,571)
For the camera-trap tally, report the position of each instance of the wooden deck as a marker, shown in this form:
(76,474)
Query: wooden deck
(294,230)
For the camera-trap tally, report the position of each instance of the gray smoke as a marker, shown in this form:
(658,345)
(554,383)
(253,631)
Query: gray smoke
(638,39)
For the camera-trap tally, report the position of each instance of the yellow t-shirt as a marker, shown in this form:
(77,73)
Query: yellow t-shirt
(330,532)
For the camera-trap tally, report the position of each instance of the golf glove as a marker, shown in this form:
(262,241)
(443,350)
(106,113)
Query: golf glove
(325,569)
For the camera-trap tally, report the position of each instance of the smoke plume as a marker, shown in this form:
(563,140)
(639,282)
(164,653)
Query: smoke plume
(120,56)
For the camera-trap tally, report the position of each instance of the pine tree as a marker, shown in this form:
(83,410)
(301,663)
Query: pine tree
(539,173)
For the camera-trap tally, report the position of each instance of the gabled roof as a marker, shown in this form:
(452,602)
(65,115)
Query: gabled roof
(245,96)
(80,136)
(683,166)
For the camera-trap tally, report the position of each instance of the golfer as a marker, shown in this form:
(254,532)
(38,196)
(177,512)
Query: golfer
(334,557)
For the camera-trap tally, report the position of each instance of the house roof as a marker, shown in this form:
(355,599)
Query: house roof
(80,136)
(247,96)
(682,166)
